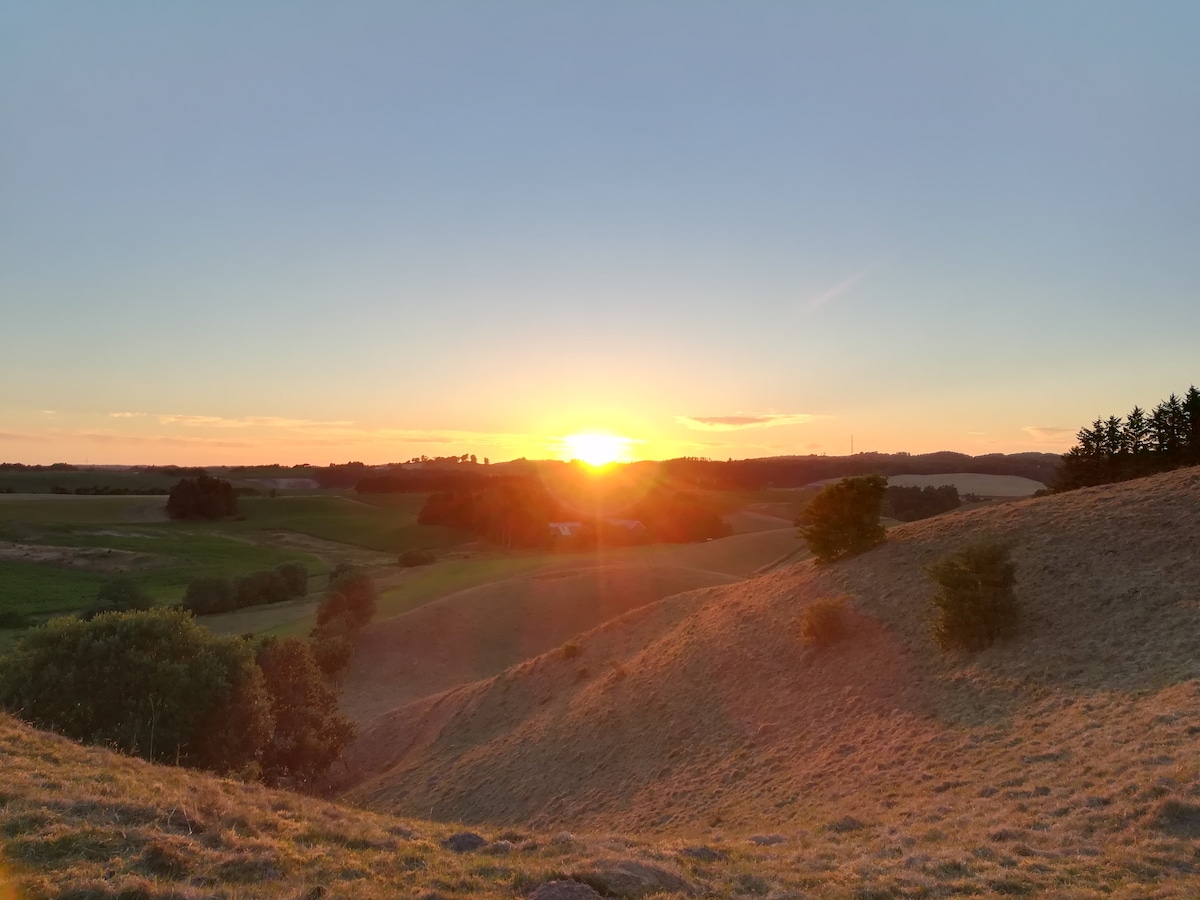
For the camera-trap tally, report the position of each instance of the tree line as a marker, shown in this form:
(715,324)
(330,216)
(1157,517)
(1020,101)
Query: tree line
(1142,443)
(516,512)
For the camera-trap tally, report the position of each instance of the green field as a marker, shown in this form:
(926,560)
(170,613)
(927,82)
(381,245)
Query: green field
(80,541)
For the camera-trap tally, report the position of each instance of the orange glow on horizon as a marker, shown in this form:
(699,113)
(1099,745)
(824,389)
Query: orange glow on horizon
(596,448)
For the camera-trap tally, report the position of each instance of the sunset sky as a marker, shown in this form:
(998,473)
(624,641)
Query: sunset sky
(315,232)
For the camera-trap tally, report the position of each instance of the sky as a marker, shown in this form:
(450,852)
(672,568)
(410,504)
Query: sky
(316,232)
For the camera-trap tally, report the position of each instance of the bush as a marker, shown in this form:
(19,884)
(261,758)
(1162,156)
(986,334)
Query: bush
(152,683)
(208,595)
(333,645)
(824,623)
(259,589)
(352,596)
(295,577)
(412,558)
(843,519)
(309,732)
(975,604)
(119,595)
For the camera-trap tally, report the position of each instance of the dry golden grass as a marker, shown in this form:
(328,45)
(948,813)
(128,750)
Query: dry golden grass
(699,737)
(1063,760)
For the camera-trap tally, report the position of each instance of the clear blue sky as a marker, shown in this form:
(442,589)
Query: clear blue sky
(248,232)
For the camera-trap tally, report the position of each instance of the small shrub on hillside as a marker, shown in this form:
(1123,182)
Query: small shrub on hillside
(825,622)
(412,558)
(975,604)
(844,518)
(570,650)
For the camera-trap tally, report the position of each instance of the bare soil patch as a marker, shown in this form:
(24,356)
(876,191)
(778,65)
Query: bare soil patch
(84,559)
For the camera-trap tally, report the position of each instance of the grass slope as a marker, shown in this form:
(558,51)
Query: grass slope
(86,824)
(1060,762)
(481,631)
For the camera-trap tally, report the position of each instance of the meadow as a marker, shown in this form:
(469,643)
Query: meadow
(57,549)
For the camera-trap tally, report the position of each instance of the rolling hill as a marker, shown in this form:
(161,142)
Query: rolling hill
(1075,739)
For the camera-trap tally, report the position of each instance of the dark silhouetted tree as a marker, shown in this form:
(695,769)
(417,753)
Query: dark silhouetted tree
(309,733)
(843,519)
(202,497)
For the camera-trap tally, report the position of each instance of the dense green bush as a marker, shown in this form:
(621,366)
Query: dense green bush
(824,622)
(156,684)
(843,519)
(119,595)
(309,732)
(151,683)
(209,594)
(259,589)
(295,577)
(975,604)
(352,596)
(333,644)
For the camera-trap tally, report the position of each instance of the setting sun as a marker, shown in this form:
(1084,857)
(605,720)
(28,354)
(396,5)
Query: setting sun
(596,449)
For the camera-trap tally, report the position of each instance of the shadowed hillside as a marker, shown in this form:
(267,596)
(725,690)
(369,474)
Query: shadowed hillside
(703,710)
(481,631)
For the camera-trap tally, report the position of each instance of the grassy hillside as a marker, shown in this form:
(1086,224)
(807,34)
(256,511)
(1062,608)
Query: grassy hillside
(80,822)
(1063,760)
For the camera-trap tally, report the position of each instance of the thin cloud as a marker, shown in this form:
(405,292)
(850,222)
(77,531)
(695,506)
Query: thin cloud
(843,286)
(739,422)
(1048,432)
(192,421)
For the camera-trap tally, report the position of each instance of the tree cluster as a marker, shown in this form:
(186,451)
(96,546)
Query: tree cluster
(213,594)
(347,608)
(202,497)
(516,512)
(1116,449)
(908,504)
(156,684)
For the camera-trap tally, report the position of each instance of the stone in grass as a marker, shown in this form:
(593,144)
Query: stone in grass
(464,842)
(632,879)
(767,840)
(705,854)
(563,890)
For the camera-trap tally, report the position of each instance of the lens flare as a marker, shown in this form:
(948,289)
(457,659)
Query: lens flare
(596,448)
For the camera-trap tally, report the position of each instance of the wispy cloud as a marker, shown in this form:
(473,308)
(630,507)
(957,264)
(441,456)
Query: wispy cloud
(1049,432)
(193,421)
(739,422)
(843,286)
